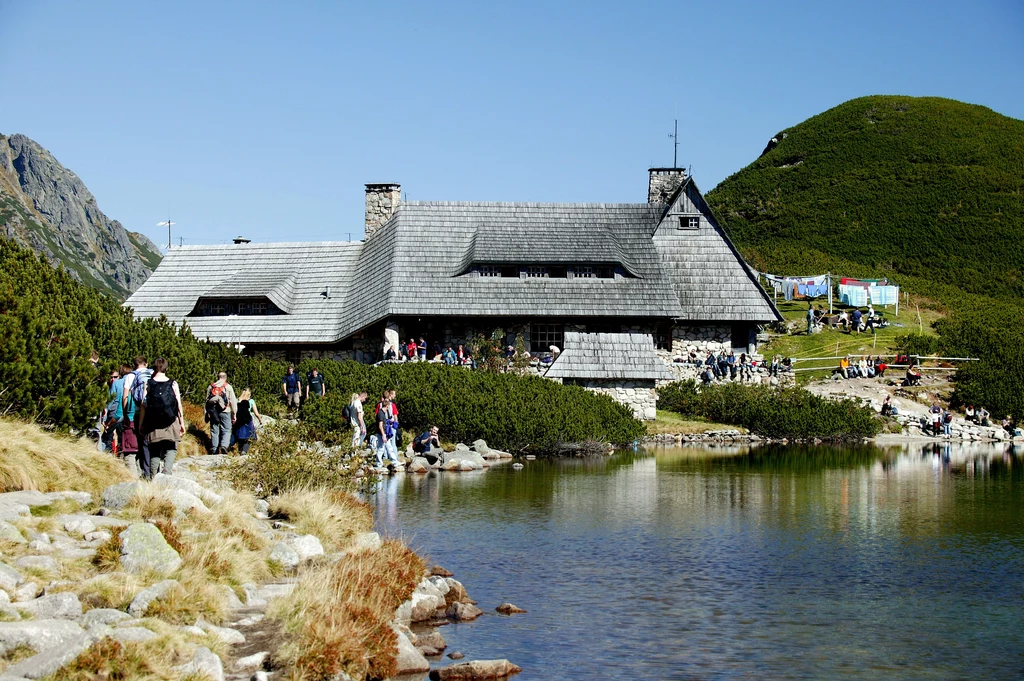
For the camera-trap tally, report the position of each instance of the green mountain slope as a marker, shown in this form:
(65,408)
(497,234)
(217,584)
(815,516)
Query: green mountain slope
(926,188)
(927,191)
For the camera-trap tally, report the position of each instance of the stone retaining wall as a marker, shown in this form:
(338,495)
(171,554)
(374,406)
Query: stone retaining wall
(640,396)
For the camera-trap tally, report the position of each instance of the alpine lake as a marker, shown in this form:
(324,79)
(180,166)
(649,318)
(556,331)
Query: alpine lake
(779,562)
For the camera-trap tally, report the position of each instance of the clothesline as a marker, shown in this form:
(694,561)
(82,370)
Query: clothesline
(852,292)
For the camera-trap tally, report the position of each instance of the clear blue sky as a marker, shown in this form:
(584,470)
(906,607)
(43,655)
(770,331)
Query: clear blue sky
(266,119)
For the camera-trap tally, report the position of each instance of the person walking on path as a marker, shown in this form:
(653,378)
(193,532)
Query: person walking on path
(315,386)
(247,417)
(111,413)
(221,407)
(386,428)
(162,420)
(810,318)
(355,418)
(291,386)
(131,402)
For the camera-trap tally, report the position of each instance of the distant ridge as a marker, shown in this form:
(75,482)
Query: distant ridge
(47,208)
(922,189)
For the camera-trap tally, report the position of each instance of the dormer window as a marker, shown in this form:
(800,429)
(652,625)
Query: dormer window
(489,271)
(226,307)
(689,222)
(584,272)
(537,271)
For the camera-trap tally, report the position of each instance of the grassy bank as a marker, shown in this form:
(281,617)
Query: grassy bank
(768,411)
(336,620)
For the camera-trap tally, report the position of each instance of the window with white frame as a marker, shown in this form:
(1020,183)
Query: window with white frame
(259,308)
(489,270)
(537,271)
(543,336)
(689,222)
(584,272)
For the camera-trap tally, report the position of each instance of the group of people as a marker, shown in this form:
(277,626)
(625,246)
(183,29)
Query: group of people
(725,366)
(386,436)
(416,351)
(865,367)
(233,420)
(853,321)
(292,385)
(143,420)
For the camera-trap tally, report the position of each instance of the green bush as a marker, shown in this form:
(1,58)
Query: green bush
(917,344)
(510,412)
(286,458)
(774,412)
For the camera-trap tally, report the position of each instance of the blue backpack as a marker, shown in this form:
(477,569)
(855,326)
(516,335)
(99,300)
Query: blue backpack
(142,377)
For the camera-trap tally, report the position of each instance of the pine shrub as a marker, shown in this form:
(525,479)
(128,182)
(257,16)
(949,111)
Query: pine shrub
(769,411)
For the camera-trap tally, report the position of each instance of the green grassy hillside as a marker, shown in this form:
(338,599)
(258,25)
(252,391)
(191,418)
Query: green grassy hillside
(927,191)
(927,188)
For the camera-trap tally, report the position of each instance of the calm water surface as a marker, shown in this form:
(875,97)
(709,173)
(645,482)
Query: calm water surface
(777,563)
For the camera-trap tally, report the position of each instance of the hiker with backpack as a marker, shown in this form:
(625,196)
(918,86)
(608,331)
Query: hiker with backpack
(384,438)
(131,404)
(353,413)
(221,408)
(109,433)
(247,417)
(162,420)
(315,384)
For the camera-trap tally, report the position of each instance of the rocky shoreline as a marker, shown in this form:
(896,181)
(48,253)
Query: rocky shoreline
(45,624)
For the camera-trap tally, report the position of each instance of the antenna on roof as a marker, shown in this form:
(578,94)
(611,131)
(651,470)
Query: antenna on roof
(167,224)
(675,144)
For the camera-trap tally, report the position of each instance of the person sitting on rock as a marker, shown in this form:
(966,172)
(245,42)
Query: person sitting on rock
(913,377)
(844,367)
(969,414)
(983,417)
(428,445)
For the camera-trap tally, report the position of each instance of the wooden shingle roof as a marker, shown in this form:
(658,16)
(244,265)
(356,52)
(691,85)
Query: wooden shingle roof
(609,356)
(295,276)
(419,263)
(432,243)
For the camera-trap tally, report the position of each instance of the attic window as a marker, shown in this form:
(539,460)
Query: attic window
(489,271)
(224,307)
(593,272)
(537,271)
(689,222)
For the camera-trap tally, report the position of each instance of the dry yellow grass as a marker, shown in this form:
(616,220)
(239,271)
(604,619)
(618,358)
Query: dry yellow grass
(338,618)
(31,458)
(109,660)
(332,515)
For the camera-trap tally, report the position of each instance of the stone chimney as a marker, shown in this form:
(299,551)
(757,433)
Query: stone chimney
(381,203)
(662,184)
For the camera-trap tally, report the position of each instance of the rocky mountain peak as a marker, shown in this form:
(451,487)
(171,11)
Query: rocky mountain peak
(48,208)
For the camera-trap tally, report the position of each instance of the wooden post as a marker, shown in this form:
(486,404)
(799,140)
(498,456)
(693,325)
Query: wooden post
(828,280)
(897,301)
(920,324)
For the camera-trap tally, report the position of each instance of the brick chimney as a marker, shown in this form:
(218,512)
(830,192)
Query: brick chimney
(663,183)
(381,203)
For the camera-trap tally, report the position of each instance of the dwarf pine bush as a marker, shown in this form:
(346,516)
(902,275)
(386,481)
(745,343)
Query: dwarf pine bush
(774,412)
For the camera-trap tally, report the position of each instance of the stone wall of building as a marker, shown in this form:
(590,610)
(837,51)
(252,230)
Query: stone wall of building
(640,396)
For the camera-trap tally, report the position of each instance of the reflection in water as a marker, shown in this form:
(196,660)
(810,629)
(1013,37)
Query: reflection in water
(783,562)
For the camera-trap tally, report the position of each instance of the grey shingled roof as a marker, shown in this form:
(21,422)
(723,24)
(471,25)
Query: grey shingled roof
(418,264)
(710,278)
(293,275)
(430,243)
(628,356)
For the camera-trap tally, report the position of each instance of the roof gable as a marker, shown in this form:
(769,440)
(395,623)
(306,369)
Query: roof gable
(707,272)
